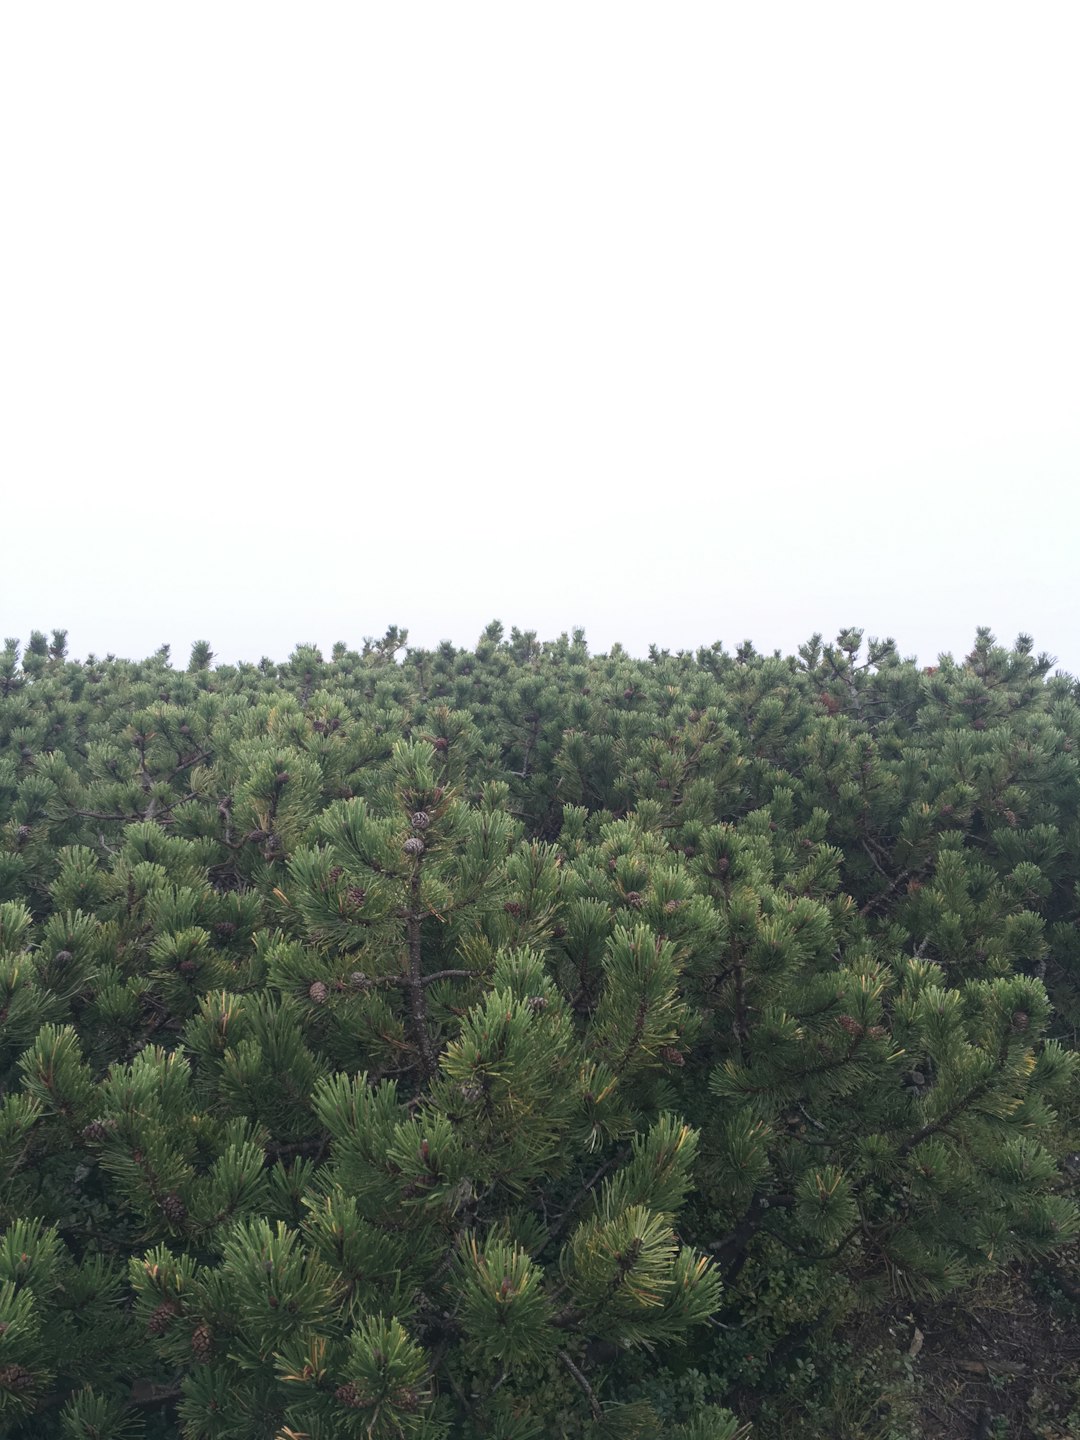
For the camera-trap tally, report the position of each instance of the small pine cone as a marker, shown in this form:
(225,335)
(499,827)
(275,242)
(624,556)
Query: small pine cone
(407,1399)
(173,1208)
(512,907)
(663,784)
(336,873)
(723,865)
(558,931)
(635,899)
(628,693)
(224,929)
(414,846)
(672,1056)
(978,724)
(877,1032)
(282,778)
(1010,818)
(187,968)
(258,836)
(62,958)
(442,744)
(850,1024)
(537,1004)
(472,1093)
(318,992)
(420,820)
(162,1318)
(22,835)
(95,1131)
(359,981)
(356,895)
(201,1342)
(15,1377)
(349,1395)
(672,906)
(1020,1021)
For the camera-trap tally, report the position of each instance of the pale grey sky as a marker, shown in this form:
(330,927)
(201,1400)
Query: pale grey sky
(678,322)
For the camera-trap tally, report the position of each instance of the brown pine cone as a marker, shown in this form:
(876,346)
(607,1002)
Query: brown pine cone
(349,1395)
(174,1209)
(420,820)
(201,1342)
(413,846)
(162,1318)
(318,991)
(15,1377)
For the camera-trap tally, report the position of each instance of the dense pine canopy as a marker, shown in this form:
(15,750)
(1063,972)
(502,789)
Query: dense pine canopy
(515,1042)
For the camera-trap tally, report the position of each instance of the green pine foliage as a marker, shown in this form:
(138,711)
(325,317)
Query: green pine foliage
(515,1042)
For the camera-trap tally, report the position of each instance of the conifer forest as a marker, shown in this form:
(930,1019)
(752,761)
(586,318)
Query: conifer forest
(519,1042)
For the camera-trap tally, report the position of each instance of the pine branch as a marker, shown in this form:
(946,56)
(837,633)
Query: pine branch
(885,895)
(731,1250)
(415,983)
(622,1154)
(594,1404)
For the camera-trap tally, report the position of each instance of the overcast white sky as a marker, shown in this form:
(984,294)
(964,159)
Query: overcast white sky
(679,322)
